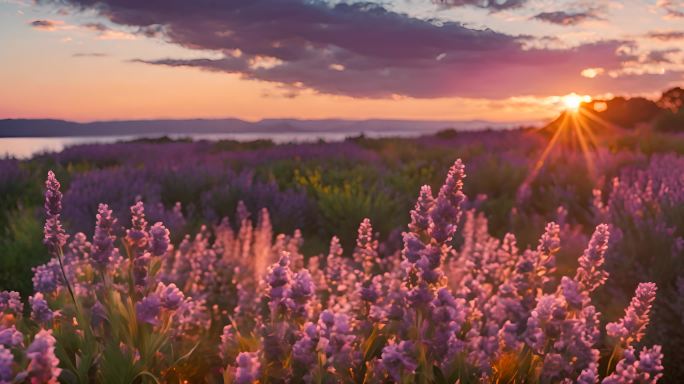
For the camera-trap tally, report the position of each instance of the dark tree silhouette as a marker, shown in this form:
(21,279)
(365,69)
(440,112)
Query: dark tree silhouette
(672,99)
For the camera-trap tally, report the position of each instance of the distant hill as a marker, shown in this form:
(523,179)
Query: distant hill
(61,128)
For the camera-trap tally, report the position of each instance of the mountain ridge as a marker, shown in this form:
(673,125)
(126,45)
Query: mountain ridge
(65,128)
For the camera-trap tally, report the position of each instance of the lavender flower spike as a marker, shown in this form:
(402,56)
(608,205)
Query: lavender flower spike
(248,367)
(53,196)
(40,312)
(103,239)
(397,359)
(54,234)
(43,364)
(10,302)
(590,273)
(10,337)
(6,361)
(171,297)
(420,215)
(159,239)
(148,309)
(137,236)
(631,327)
(445,214)
(647,368)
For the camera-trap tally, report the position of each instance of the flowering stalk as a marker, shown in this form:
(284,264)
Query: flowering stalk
(54,235)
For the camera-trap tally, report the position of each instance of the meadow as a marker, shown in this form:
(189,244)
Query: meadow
(493,256)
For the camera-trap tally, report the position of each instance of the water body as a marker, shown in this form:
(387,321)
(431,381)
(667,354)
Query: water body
(26,147)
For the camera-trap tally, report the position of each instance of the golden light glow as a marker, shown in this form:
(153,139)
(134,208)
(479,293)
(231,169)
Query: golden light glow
(573,101)
(578,132)
(591,73)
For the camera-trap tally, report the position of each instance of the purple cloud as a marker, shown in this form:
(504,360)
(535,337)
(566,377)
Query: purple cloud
(359,49)
(666,35)
(566,18)
(43,24)
(660,56)
(493,5)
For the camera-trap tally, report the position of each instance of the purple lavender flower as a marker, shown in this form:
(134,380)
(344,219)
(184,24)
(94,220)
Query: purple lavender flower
(279,278)
(54,235)
(420,215)
(248,367)
(590,273)
(589,375)
(631,327)
(10,337)
(137,235)
(336,338)
(572,292)
(171,297)
(549,244)
(366,252)
(148,309)
(53,196)
(397,359)
(40,311)
(304,349)
(647,368)
(446,213)
(448,316)
(103,239)
(301,291)
(43,364)
(6,362)
(10,302)
(371,289)
(421,295)
(412,247)
(159,239)
(47,277)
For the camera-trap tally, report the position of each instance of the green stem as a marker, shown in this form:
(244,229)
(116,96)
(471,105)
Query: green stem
(60,253)
(610,361)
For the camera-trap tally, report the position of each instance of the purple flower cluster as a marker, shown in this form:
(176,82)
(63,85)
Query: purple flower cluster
(10,302)
(630,328)
(40,311)
(43,366)
(248,367)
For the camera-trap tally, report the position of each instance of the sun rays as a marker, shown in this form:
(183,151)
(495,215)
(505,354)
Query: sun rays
(577,130)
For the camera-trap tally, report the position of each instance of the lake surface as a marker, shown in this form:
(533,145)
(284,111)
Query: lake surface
(25,147)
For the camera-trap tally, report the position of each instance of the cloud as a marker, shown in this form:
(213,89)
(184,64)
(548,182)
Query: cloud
(359,49)
(661,56)
(46,25)
(566,18)
(106,33)
(674,9)
(666,35)
(493,5)
(89,54)
(590,73)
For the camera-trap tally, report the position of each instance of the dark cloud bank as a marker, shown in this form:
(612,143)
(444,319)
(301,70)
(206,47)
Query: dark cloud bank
(363,49)
(566,18)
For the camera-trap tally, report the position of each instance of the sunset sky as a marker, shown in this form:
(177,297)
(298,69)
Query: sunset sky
(407,59)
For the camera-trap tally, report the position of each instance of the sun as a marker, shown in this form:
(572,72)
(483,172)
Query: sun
(573,101)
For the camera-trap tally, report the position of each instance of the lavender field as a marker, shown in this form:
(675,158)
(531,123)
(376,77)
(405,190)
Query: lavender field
(341,191)
(459,257)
